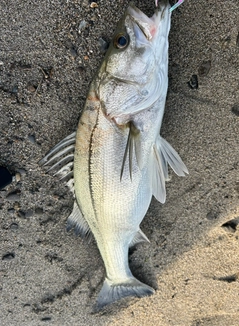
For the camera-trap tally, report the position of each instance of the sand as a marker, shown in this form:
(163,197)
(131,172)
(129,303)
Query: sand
(49,276)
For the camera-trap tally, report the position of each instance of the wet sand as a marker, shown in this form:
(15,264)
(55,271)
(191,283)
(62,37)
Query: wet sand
(49,276)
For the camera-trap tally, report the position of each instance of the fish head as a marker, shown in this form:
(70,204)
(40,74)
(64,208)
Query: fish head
(134,72)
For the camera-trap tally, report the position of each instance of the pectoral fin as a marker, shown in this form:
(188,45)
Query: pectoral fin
(132,148)
(163,155)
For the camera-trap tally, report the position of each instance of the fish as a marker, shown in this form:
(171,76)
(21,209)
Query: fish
(117,160)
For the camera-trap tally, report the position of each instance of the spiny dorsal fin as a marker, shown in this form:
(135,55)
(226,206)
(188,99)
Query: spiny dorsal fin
(171,157)
(163,155)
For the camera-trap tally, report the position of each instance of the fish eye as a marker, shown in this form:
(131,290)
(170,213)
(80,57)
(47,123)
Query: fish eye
(121,41)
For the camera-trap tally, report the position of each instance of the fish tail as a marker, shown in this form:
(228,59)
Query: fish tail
(111,292)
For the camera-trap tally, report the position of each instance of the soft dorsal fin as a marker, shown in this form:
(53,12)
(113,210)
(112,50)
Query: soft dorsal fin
(59,160)
(58,148)
(163,155)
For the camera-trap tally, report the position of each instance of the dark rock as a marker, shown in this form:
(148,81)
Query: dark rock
(13,196)
(14,89)
(29,213)
(73,51)
(204,68)
(231,225)
(21,214)
(39,211)
(48,297)
(235,109)
(14,226)
(5,177)
(103,45)
(32,139)
(22,171)
(212,215)
(47,318)
(228,279)
(8,256)
(193,82)
(11,211)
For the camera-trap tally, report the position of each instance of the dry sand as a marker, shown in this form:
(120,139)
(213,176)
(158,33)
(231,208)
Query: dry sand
(50,277)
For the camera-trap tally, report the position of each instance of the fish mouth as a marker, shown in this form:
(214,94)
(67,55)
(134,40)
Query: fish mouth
(147,25)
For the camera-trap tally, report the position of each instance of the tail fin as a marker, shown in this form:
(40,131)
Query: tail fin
(111,292)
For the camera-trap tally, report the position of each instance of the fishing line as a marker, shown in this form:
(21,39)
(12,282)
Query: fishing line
(176,5)
(173,7)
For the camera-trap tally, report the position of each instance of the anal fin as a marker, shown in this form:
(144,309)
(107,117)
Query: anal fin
(139,238)
(77,222)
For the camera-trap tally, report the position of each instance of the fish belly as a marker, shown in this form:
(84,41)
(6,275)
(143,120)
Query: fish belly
(112,207)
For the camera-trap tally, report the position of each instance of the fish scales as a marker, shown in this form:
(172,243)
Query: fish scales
(120,159)
(103,179)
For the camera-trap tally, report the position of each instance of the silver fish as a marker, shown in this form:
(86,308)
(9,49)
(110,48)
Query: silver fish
(120,159)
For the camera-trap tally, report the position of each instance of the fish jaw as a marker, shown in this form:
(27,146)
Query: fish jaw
(134,79)
(152,32)
(147,37)
(150,27)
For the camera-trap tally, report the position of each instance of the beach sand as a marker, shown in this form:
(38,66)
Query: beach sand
(49,54)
